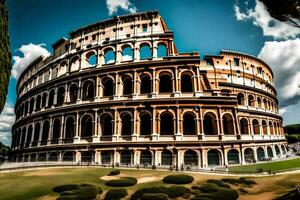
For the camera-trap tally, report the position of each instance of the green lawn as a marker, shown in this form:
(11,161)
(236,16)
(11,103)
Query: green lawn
(273,166)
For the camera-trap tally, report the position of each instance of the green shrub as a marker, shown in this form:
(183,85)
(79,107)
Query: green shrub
(212,191)
(75,191)
(62,188)
(115,194)
(242,190)
(114,172)
(241,180)
(218,183)
(177,191)
(290,195)
(155,196)
(178,179)
(155,189)
(122,182)
(231,181)
(245,181)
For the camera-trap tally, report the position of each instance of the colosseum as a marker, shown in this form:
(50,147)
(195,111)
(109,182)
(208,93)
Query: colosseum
(118,92)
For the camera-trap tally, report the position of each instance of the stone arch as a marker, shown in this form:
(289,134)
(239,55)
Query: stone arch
(108,86)
(44,99)
(51,98)
(109,55)
(191,158)
(145,83)
(241,99)
(270,152)
(74,64)
(187,82)
(127,53)
(228,126)
(91,58)
(73,92)
(166,158)
(29,135)
(68,156)
(214,158)
(249,155)
(271,128)
(56,130)
(283,149)
(107,157)
(277,150)
(36,132)
(189,123)
(53,156)
(145,123)
(244,126)
(126,122)
(88,90)
(87,156)
(70,128)
(162,50)
(31,105)
(145,51)
(251,100)
(210,124)
(60,95)
(106,123)
(265,127)
(166,123)
(233,156)
(45,133)
(38,103)
(256,129)
(259,102)
(86,126)
(127,82)
(260,154)
(165,82)
(146,158)
(126,157)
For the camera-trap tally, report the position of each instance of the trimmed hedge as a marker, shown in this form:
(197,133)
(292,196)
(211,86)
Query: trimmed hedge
(62,188)
(177,191)
(75,191)
(155,196)
(178,179)
(122,182)
(211,191)
(114,172)
(115,194)
(241,180)
(218,183)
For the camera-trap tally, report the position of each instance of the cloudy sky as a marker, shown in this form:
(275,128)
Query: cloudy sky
(206,26)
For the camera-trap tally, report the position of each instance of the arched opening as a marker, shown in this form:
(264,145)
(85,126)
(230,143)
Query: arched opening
(265,104)
(56,131)
(126,124)
(145,84)
(45,133)
(126,157)
(265,127)
(70,129)
(73,93)
(244,127)
(109,57)
(228,127)
(32,158)
(127,85)
(191,158)
(162,51)
(23,137)
(108,87)
(87,157)
(42,157)
(106,123)
(166,124)
(91,59)
(260,154)
(277,150)
(74,64)
(186,83)
(145,52)
(255,125)
(68,156)
(146,124)
(146,158)
(241,99)
(60,95)
(233,157)
(29,135)
(213,158)
(31,105)
(251,101)
(270,152)
(210,124)
(44,99)
(106,157)
(249,155)
(165,83)
(86,126)
(283,149)
(259,102)
(88,90)
(189,124)
(36,134)
(51,98)
(271,128)
(166,158)
(26,108)
(38,103)
(127,53)
(53,157)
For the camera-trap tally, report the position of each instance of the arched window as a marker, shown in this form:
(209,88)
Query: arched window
(251,101)
(106,123)
(271,128)
(86,126)
(233,157)
(191,158)
(260,154)
(244,127)
(213,158)
(277,150)
(23,137)
(283,149)
(60,95)
(145,52)
(127,85)
(166,124)
(29,135)
(126,157)
(36,133)
(51,98)
(241,99)
(162,51)
(265,127)
(74,64)
(42,157)
(126,124)
(31,105)
(56,131)
(38,103)
(44,100)
(255,124)
(88,90)
(86,156)
(166,158)
(189,124)
(45,132)
(91,59)
(265,104)
(68,156)
(145,123)
(146,158)
(53,157)
(106,157)
(127,54)
(259,104)
(228,124)
(73,93)
(70,128)
(108,87)
(210,124)
(109,57)
(145,84)
(26,108)
(270,152)
(249,155)
(165,83)
(186,83)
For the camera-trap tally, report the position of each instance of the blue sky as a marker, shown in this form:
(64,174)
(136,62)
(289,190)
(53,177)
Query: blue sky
(206,26)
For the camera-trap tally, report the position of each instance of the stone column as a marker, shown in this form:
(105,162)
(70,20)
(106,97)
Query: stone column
(95,135)
(77,138)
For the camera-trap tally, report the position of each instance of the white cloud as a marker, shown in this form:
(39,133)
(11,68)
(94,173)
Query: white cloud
(7,118)
(114,5)
(269,25)
(30,52)
(284,59)
(126,57)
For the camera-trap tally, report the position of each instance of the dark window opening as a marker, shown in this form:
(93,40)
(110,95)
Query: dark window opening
(106,122)
(165,84)
(127,86)
(86,126)
(166,124)
(126,125)
(146,124)
(108,87)
(186,83)
(189,127)
(145,85)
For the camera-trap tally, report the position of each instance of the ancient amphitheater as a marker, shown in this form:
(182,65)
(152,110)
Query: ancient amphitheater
(118,92)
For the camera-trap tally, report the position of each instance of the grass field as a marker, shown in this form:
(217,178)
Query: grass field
(38,184)
(273,166)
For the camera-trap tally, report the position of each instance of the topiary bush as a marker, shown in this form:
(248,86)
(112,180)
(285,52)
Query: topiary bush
(178,179)
(155,196)
(75,191)
(241,180)
(114,172)
(62,188)
(122,182)
(218,183)
(177,191)
(211,191)
(115,194)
